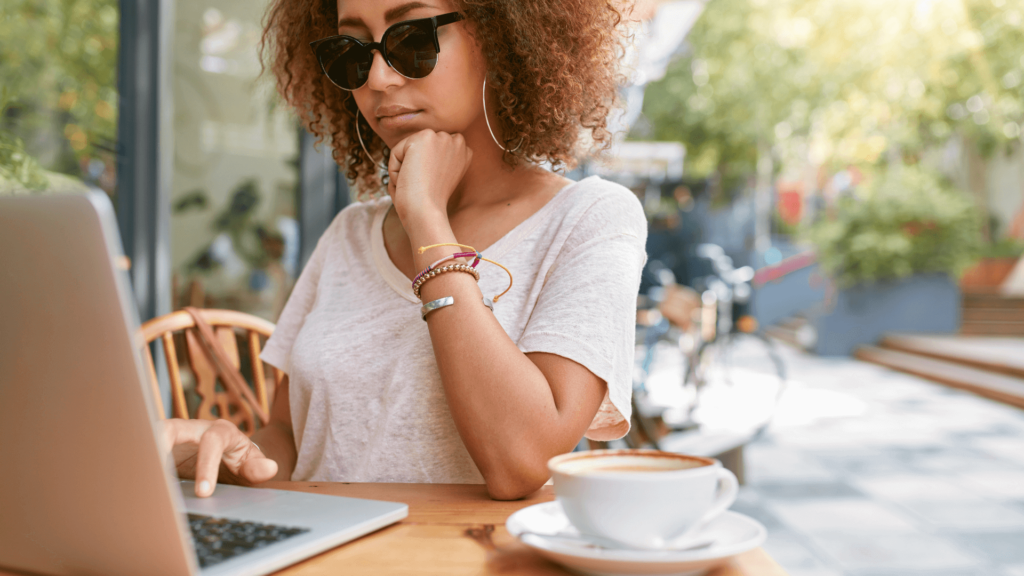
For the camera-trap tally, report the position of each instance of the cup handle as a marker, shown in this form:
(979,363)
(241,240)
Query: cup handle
(728,490)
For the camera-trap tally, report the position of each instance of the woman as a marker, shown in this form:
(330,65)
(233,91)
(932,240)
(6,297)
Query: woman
(460,101)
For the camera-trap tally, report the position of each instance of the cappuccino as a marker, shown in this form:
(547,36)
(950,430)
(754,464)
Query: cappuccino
(629,463)
(638,468)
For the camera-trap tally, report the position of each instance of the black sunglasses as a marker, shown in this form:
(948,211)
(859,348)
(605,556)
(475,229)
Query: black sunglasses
(409,48)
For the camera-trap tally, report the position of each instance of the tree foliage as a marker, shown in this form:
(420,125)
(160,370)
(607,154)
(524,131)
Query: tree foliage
(834,83)
(17,168)
(58,61)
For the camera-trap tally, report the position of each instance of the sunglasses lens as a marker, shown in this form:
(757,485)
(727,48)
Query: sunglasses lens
(411,50)
(346,63)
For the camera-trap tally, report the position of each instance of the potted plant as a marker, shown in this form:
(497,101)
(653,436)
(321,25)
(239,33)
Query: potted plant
(994,265)
(893,251)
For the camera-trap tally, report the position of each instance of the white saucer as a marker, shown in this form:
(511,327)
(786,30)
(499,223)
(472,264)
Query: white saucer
(733,534)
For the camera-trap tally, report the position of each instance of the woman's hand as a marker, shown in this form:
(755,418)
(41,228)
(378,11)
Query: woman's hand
(423,172)
(204,450)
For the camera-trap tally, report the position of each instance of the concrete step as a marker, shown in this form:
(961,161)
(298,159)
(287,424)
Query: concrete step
(992,327)
(1001,387)
(993,314)
(995,354)
(982,300)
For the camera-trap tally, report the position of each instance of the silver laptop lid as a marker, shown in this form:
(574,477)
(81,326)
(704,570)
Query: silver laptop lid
(77,440)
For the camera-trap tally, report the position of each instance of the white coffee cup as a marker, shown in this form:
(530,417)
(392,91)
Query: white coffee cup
(645,499)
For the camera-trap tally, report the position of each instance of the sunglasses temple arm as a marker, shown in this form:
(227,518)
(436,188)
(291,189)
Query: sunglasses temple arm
(437,44)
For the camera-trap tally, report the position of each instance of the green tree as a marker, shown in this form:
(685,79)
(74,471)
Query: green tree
(833,83)
(58,61)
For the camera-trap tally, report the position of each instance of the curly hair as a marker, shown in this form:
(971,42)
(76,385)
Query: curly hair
(554,65)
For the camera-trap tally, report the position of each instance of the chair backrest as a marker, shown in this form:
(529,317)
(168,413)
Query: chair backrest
(228,404)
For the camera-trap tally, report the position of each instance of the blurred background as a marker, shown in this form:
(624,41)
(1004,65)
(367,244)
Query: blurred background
(224,157)
(834,297)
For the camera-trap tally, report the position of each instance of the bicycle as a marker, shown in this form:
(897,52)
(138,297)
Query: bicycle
(723,351)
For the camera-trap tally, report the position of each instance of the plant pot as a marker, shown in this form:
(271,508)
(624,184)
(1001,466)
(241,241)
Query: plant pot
(987,274)
(922,303)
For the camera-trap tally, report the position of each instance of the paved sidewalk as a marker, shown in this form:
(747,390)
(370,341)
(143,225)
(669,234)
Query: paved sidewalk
(871,472)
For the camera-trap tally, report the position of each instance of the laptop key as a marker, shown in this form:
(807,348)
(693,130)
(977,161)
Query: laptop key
(220,539)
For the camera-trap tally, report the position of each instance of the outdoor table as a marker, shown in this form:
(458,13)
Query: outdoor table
(451,529)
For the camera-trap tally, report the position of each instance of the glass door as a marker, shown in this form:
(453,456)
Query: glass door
(234,229)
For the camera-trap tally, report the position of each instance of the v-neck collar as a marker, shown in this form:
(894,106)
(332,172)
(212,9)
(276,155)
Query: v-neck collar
(403,286)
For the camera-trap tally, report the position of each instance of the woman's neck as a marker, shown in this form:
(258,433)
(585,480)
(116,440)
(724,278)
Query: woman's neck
(490,182)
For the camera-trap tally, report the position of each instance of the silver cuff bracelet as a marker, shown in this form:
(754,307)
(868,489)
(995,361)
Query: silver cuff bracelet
(447,301)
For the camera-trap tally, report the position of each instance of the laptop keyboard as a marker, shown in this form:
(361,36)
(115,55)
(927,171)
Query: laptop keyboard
(219,539)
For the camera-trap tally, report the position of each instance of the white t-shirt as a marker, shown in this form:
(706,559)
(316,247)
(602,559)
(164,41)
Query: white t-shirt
(367,402)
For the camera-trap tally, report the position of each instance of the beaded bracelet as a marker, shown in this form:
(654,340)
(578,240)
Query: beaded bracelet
(438,271)
(447,258)
(479,257)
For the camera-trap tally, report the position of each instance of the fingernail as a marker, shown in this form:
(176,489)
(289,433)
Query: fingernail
(204,487)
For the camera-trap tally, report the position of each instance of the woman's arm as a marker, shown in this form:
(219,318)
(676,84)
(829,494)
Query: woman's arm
(208,451)
(514,411)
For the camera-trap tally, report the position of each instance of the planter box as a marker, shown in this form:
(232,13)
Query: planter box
(987,274)
(923,303)
(786,289)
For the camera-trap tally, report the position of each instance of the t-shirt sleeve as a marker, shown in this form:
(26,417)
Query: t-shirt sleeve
(586,311)
(278,349)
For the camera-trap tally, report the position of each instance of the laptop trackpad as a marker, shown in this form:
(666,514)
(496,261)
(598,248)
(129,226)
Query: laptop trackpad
(285,506)
(226,499)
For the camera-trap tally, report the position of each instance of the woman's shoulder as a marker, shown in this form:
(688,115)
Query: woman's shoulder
(600,204)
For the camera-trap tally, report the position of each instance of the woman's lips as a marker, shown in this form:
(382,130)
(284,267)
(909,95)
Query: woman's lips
(397,121)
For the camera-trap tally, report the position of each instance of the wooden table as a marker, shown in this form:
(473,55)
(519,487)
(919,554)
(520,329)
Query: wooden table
(452,529)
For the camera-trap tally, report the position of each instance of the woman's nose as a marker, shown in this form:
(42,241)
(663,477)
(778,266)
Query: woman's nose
(382,76)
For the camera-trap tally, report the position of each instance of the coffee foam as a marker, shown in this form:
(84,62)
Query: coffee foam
(626,464)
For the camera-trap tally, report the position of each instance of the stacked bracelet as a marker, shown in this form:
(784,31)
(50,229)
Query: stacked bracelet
(422,279)
(447,258)
(474,252)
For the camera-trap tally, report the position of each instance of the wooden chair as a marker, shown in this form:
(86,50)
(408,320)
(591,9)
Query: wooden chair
(228,405)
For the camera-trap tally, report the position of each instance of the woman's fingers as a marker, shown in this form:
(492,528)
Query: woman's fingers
(423,171)
(398,153)
(392,183)
(257,468)
(182,437)
(395,166)
(179,431)
(201,447)
(218,439)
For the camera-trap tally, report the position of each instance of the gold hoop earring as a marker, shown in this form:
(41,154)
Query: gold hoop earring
(493,137)
(360,137)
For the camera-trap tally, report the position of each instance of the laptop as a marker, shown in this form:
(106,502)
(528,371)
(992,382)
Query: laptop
(86,486)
